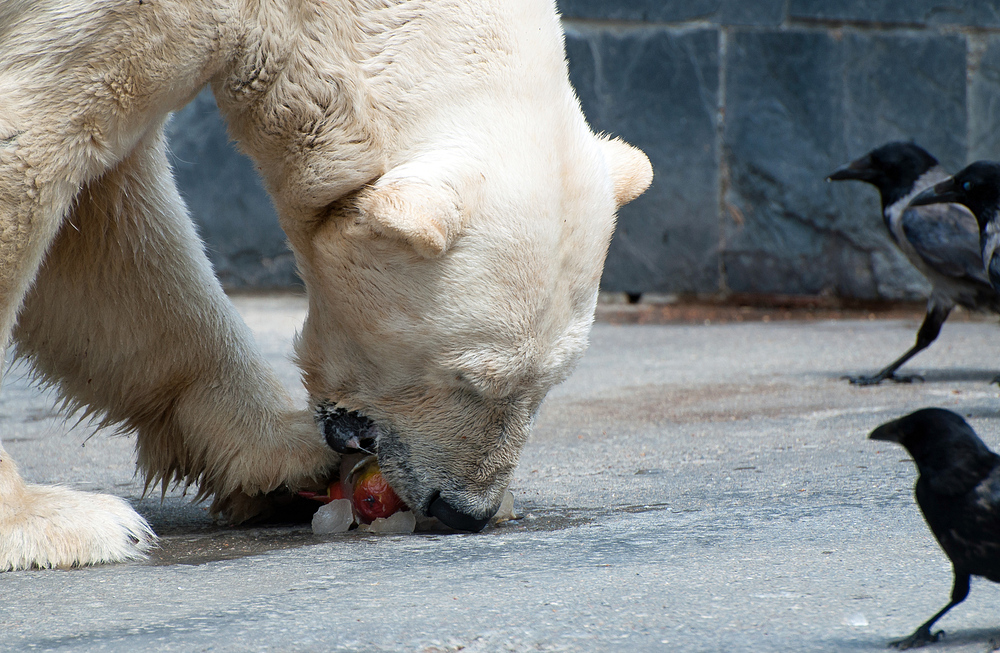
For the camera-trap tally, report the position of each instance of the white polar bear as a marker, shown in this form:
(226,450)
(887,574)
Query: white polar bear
(448,206)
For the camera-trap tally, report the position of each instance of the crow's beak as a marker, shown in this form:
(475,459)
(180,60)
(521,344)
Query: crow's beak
(888,432)
(943,193)
(858,169)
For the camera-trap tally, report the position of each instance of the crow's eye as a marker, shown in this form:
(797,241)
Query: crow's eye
(966,186)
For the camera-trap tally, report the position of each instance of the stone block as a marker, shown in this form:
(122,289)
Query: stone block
(984,101)
(800,103)
(758,12)
(782,122)
(658,90)
(720,12)
(233,212)
(898,87)
(906,87)
(974,13)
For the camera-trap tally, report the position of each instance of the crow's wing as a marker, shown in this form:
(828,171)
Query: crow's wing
(994,269)
(985,552)
(967,526)
(946,237)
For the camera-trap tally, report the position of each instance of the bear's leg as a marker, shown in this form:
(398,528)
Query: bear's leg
(127,319)
(47,526)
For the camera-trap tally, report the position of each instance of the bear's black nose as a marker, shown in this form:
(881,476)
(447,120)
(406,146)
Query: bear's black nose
(453,518)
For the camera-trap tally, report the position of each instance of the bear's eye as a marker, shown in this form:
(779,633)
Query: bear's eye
(466,383)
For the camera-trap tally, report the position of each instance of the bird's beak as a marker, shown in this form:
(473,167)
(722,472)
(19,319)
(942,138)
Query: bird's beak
(857,169)
(888,432)
(945,192)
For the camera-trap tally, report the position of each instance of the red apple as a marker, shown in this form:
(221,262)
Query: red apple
(373,497)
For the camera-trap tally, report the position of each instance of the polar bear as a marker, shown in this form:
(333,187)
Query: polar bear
(448,206)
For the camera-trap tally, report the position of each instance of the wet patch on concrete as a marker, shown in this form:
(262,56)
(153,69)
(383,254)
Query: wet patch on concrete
(650,507)
(228,544)
(660,404)
(535,520)
(653,309)
(201,545)
(670,403)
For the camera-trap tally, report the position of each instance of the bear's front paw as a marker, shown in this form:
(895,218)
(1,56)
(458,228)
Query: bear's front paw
(45,526)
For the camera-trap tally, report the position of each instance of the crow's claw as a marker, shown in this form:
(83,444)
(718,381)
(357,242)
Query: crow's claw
(920,637)
(864,380)
(910,378)
(878,378)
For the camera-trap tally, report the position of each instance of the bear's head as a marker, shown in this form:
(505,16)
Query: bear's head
(449,295)
(450,211)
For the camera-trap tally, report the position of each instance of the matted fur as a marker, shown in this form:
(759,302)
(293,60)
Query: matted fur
(448,206)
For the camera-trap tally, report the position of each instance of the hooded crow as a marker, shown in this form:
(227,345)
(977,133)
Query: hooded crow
(958,491)
(942,240)
(977,187)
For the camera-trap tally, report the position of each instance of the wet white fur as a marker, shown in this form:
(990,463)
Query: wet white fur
(448,205)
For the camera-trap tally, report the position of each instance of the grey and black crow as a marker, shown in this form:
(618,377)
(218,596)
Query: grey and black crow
(958,491)
(941,240)
(977,187)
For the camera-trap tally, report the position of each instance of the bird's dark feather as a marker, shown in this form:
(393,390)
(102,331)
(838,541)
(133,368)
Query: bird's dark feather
(943,242)
(967,525)
(958,492)
(946,237)
(994,269)
(961,472)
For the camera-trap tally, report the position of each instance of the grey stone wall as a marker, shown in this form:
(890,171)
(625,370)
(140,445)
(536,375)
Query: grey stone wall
(233,212)
(743,106)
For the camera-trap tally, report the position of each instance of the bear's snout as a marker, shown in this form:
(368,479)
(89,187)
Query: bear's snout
(436,482)
(454,518)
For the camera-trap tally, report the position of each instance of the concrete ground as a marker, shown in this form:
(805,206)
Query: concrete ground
(690,488)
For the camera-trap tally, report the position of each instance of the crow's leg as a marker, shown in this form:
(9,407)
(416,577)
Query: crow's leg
(922,635)
(929,330)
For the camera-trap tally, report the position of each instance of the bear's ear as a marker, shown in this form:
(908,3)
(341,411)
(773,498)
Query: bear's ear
(631,172)
(428,215)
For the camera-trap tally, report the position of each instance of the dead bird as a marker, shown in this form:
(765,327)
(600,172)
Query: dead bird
(941,240)
(958,491)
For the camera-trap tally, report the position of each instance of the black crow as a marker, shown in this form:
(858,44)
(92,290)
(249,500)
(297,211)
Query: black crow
(942,240)
(958,491)
(977,187)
